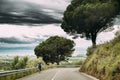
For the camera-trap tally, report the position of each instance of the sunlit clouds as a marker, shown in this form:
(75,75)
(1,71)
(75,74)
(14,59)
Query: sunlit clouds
(15,34)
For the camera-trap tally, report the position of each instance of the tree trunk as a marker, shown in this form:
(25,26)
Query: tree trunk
(93,35)
(57,63)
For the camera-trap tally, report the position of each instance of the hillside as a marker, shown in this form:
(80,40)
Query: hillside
(103,61)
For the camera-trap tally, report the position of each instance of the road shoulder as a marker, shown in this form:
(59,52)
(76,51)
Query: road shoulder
(89,76)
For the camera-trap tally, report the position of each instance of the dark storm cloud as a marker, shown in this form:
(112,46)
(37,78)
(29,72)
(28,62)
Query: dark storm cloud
(16,48)
(13,43)
(26,40)
(18,12)
(13,40)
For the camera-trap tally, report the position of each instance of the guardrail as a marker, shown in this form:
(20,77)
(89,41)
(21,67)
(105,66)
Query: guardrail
(68,66)
(15,74)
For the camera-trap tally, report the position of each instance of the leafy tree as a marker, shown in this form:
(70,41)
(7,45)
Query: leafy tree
(89,17)
(54,49)
(117,33)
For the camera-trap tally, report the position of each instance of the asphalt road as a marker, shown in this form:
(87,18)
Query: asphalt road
(58,74)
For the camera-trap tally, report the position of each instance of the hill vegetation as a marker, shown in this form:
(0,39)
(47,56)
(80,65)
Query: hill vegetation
(103,61)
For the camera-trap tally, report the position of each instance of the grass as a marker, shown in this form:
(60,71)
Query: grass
(103,61)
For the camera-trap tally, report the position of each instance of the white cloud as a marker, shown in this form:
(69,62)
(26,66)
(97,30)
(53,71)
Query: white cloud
(107,36)
(28,34)
(82,43)
(31,32)
(43,32)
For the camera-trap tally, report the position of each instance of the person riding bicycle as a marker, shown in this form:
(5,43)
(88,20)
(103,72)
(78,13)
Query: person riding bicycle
(39,65)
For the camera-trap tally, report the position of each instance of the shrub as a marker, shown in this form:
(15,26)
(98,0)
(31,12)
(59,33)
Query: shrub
(19,63)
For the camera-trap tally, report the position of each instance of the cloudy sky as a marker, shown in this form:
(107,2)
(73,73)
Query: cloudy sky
(26,23)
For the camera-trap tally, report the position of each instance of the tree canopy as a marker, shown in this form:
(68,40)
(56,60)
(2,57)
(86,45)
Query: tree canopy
(55,49)
(89,17)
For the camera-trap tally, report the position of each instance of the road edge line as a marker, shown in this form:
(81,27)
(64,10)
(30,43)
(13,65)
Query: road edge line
(89,76)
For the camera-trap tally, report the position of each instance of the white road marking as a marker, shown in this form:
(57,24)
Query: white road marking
(55,75)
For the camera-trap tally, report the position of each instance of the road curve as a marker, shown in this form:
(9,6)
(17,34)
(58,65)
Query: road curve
(57,74)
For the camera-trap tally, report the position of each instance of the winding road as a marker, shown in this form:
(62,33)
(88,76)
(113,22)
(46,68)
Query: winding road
(58,74)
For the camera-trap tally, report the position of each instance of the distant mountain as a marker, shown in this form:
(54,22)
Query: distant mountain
(81,55)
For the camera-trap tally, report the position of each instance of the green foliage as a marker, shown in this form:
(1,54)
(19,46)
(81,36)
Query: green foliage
(90,50)
(13,76)
(117,33)
(15,61)
(33,62)
(88,17)
(104,62)
(8,78)
(54,49)
(19,63)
